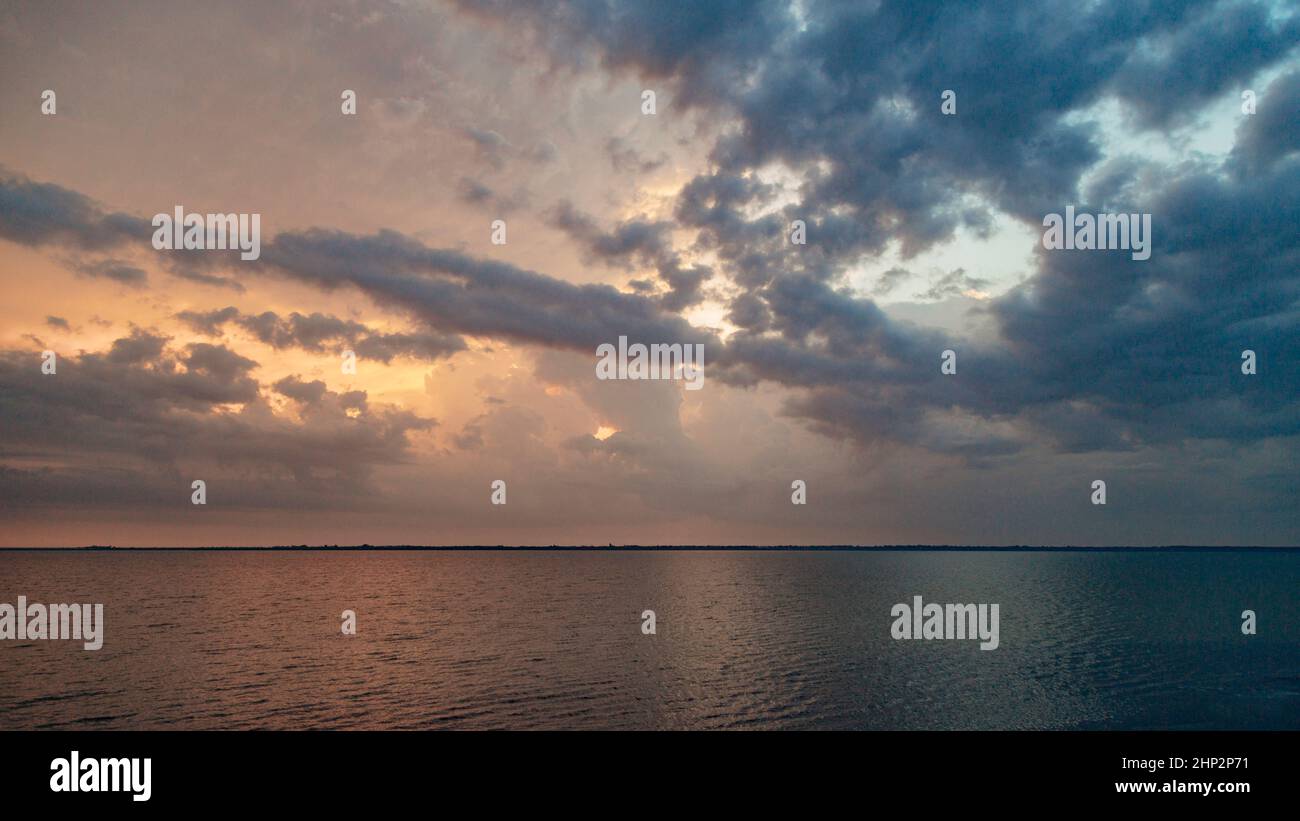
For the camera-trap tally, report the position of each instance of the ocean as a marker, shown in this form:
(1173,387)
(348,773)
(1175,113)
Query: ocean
(553,639)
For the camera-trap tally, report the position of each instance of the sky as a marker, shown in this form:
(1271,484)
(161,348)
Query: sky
(476,361)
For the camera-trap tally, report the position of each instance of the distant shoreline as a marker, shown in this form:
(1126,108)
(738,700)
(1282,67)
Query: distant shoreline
(669,548)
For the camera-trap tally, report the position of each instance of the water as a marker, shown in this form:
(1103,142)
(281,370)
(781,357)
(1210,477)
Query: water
(498,639)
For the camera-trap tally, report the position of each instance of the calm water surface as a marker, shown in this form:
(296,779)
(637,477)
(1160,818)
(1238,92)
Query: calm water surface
(498,639)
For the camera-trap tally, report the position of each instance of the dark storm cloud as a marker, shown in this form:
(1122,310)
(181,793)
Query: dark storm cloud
(1098,351)
(140,346)
(1157,346)
(42,214)
(1220,48)
(1271,133)
(451,291)
(209,322)
(319,333)
(164,416)
(308,393)
(661,39)
(627,243)
(424,345)
(636,243)
(457,293)
(36,214)
(220,363)
(857,88)
(862,376)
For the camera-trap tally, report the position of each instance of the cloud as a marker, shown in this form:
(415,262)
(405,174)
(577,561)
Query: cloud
(626,160)
(495,149)
(1094,332)
(479,194)
(636,243)
(1180,69)
(846,100)
(1270,134)
(163,416)
(191,275)
(114,269)
(140,346)
(954,283)
(890,280)
(453,292)
(456,293)
(37,214)
(318,333)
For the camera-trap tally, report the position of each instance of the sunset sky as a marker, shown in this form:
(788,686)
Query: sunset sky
(822,361)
